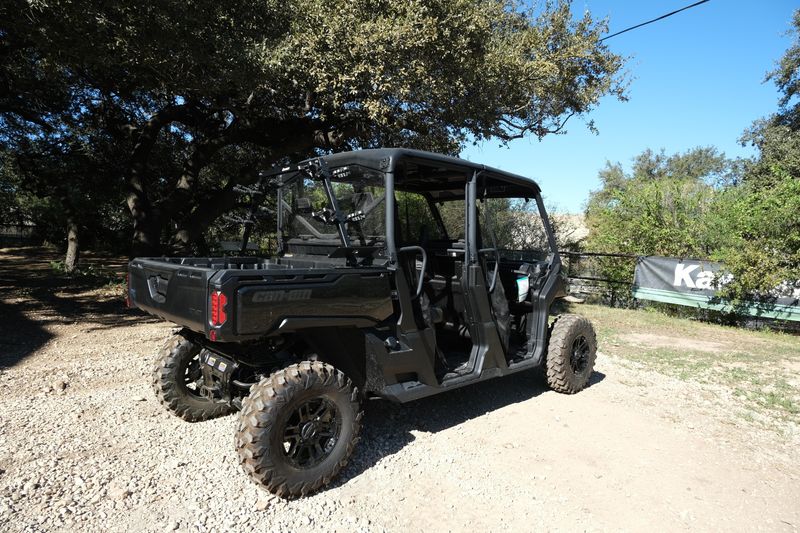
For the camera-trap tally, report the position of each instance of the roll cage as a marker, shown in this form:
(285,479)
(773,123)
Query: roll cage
(437,177)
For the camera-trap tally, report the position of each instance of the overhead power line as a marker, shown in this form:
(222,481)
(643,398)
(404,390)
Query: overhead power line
(654,20)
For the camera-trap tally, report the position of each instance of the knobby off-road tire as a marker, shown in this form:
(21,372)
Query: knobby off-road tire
(298,428)
(571,354)
(176,371)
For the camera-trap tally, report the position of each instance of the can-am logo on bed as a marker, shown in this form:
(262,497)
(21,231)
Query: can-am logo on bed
(282,296)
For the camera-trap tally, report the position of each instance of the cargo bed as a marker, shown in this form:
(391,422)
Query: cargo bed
(257,293)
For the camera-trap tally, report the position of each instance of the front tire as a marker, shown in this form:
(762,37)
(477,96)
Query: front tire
(176,382)
(571,354)
(298,428)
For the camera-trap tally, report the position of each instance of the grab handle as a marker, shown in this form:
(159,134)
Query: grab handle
(420,250)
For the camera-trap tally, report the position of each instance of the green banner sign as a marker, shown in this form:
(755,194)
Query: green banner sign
(693,283)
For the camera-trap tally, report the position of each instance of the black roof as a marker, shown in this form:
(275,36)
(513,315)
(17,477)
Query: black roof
(420,170)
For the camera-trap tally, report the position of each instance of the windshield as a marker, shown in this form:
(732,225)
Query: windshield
(308,219)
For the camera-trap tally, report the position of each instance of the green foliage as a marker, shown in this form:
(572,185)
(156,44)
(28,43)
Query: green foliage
(89,274)
(59,177)
(453,215)
(197,97)
(659,208)
(416,221)
(429,72)
(787,78)
(749,220)
(515,224)
(744,213)
(762,245)
(760,215)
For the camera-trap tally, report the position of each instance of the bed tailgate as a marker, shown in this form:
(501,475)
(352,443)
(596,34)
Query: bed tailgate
(174,292)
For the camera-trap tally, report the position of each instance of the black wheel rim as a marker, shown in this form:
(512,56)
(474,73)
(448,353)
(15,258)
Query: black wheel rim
(311,432)
(193,377)
(579,358)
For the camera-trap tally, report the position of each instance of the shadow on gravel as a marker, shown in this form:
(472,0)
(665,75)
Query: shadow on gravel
(386,428)
(595,378)
(21,335)
(33,299)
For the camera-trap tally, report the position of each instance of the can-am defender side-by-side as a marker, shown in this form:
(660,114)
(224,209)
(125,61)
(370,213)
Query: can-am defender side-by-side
(399,274)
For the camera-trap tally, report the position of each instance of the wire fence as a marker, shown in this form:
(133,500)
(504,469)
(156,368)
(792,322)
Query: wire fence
(17,234)
(602,274)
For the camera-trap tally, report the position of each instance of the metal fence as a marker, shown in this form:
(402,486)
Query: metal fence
(588,272)
(17,234)
(588,276)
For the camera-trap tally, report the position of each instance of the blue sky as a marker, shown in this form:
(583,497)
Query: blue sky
(697,80)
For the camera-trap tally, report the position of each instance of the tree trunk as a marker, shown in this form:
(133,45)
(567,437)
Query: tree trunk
(73,247)
(193,217)
(146,233)
(146,219)
(146,227)
(192,228)
(198,216)
(181,202)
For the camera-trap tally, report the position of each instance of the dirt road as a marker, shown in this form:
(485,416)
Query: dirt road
(85,446)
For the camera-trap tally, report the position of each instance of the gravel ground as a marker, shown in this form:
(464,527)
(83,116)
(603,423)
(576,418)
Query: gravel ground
(85,446)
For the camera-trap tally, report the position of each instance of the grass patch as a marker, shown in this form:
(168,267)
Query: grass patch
(89,274)
(761,368)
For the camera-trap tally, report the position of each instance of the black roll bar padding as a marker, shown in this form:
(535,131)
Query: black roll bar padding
(488,227)
(421,250)
(496,265)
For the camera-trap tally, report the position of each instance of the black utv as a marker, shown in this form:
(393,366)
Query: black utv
(399,274)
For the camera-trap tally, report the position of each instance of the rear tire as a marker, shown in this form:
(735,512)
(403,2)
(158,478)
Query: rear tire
(175,375)
(571,354)
(298,428)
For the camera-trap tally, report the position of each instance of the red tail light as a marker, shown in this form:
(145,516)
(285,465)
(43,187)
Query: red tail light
(218,315)
(222,316)
(128,290)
